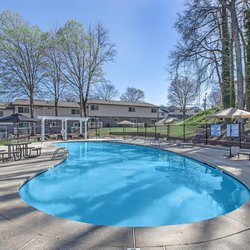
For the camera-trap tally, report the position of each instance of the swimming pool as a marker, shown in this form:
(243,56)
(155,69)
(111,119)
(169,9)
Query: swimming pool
(116,184)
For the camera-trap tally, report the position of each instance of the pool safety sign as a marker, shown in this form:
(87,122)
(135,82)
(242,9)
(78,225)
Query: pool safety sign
(232,130)
(215,130)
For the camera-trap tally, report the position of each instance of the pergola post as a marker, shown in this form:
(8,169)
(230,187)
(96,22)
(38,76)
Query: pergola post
(43,129)
(66,129)
(81,127)
(86,129)
(64,121)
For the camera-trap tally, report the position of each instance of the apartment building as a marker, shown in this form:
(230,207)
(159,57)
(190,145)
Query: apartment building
(173,111)
(101,113)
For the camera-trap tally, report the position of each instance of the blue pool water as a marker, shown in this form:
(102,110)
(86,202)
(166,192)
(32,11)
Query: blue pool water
(127,185)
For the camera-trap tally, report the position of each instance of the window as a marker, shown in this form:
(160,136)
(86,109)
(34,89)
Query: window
(153,121)
(94,107)
(75,111)
(117,120)
(1,113)
(153,110)
(23,110)
(131,109)
(23,124)
(133,120)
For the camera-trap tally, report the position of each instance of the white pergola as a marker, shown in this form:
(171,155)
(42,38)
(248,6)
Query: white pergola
(64,121)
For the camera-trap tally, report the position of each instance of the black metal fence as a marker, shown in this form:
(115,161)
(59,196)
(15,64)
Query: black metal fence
(183,132)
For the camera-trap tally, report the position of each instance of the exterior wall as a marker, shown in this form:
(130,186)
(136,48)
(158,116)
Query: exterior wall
(110,121)
(6,112)
(104,111)
(122,111)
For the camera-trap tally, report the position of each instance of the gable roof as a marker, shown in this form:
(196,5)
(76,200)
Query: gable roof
(45,103)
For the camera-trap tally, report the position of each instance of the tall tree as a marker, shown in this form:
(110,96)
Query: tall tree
(238,54)
(84,55)
(212,44)
(105,91)
(133,95)
(248,58)
(22,50)
(182,92)
(54,82)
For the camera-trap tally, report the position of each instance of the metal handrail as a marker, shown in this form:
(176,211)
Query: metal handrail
(60,152)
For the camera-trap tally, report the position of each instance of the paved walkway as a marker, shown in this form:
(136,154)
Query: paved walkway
(23,227)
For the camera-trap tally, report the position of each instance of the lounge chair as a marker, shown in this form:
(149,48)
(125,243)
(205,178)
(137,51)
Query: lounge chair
(195,141)
(242,152)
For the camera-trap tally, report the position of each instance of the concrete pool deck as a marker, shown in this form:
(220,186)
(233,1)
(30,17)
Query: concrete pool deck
(23,227)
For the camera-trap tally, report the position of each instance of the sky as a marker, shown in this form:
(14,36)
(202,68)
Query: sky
(142,31)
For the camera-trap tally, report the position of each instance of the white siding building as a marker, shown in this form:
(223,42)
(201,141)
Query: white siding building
(101,113)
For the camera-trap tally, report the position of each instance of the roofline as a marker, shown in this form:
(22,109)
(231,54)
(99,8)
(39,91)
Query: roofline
(114,103)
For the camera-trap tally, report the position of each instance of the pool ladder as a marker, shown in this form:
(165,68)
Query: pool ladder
(60,153)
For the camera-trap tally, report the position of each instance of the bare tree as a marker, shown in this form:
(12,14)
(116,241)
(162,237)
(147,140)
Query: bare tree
(182,92)
(133,95)
(84,55)
(22,49)
(54,82)
(213,45)
(105,91)
(70,97)
(214,97)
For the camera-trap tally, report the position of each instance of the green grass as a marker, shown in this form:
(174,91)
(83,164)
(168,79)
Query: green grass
(201,117)
(193,125)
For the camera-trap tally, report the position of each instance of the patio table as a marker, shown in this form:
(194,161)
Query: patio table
(23,147)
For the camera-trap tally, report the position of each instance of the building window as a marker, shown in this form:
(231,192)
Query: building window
(23,110)
(94,107)
(153,110)
(23,124)
(117,120)
(153,122)
(1,113)
(131,109)
(75,111)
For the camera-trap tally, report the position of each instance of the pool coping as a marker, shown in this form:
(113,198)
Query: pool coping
(183,234)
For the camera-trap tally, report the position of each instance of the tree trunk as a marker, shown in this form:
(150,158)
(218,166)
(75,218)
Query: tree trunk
(226,88)
(56,107)
(238,56)
(33,131)
(248,60)
(233,94)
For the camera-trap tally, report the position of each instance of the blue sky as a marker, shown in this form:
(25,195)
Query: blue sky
(141,29)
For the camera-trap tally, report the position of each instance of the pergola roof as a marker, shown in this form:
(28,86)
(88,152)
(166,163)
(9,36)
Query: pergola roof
(63,118)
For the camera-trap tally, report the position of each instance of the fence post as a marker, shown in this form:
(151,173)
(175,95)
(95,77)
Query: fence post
(155,132)
(239,134)
(137,130)
(110,129)
(184,132)
(206,134)
(145,130)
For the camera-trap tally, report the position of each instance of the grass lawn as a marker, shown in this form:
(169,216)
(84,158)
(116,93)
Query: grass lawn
(170,131)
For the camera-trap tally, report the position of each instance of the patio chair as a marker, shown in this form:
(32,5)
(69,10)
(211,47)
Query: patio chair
(195,141)
(243,152)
